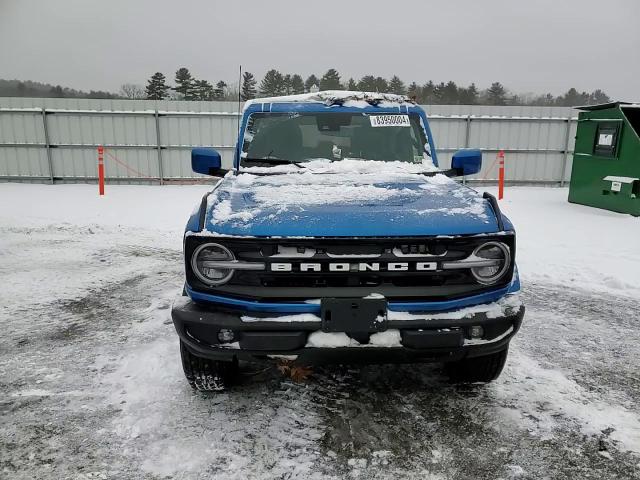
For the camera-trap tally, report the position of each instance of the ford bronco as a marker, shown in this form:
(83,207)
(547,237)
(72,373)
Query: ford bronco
(337,238)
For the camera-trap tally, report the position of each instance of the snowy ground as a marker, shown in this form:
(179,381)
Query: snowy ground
(91,385)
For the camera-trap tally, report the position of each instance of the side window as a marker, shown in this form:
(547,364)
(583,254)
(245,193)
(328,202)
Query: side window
(606,139)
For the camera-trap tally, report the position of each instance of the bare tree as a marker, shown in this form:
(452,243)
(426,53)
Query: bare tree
(132,91)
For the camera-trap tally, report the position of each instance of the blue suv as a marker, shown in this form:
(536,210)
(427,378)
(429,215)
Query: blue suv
(336,238)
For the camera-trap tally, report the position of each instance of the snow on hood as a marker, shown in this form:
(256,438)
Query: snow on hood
(342,97)
(347,198)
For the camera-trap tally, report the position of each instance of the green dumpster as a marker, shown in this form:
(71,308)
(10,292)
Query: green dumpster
(606,159)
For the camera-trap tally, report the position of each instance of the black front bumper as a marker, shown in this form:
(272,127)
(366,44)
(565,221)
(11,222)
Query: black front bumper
(275,337)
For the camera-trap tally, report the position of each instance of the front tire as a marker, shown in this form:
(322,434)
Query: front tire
(477,369)
(206,375)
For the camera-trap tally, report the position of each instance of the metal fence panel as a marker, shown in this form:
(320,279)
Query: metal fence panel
(150,140)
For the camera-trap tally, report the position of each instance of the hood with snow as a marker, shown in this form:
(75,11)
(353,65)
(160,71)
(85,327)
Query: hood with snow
(350,198)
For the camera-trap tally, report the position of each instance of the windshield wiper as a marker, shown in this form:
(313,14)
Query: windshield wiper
(268,160)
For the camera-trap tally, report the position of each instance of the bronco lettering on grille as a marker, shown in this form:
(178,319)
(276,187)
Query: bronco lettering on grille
(354,267)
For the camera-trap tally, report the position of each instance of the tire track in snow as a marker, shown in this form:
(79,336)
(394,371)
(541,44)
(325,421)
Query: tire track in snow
(264,428)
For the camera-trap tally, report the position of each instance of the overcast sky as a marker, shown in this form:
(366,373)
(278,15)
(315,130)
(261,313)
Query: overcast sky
(529,45)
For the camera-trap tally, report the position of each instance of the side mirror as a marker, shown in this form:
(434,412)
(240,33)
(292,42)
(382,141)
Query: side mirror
(467,161)
(206,161)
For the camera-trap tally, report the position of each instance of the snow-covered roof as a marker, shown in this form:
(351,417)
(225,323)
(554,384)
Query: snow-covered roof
(340,97)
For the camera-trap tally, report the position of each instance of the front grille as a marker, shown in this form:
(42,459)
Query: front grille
(299,284)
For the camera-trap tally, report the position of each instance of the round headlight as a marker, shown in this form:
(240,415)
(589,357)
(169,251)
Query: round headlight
(204,263)
(499,258)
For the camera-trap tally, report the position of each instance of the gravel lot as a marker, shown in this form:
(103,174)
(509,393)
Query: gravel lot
(91,385)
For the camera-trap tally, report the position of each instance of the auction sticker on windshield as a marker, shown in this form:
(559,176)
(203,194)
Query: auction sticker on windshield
(389,120)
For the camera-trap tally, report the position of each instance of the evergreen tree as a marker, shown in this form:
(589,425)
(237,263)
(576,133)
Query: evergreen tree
(367,84)
(415,92)
(514,100)
(203,90)
(381,85)
(184,83)
(352,85)
(310,82)
(218,93)
(574,98)
(438,93)
(248,90)
(272,84)
(330,80)
(496,94)
(157,87)
(598,96)
(286,84)
(469,95)
(547,100)
(397,86)
(297,84)
(56,92)
(97,94)
(449,94)
(429,93)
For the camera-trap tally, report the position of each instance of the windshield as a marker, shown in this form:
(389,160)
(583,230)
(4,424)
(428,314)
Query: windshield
(276,138)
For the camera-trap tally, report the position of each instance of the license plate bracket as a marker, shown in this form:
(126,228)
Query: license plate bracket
(362,315)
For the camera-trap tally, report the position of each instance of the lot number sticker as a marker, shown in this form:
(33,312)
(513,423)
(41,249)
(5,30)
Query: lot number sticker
(389,120)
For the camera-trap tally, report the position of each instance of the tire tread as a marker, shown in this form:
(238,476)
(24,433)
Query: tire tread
(478,369)
(206,375)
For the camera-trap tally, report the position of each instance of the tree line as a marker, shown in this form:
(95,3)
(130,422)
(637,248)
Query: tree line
(274,83)
(28,88)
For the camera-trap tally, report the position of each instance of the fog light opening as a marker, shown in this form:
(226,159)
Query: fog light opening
(476,331)
(226,336)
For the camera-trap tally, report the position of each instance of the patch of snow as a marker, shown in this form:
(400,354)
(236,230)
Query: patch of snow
(496,309)
(327,194)
(374,295)
(283,357)
(576,245)
(388,338)
(319,339)
(562,396)
(245,180)
(354,166)
(347,98)
(34,392)
(181,301)
(301,317)
(477,207)
(241,200)
(515,471)
(222,212)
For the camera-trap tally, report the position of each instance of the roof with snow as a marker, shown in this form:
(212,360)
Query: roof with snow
(339,97)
